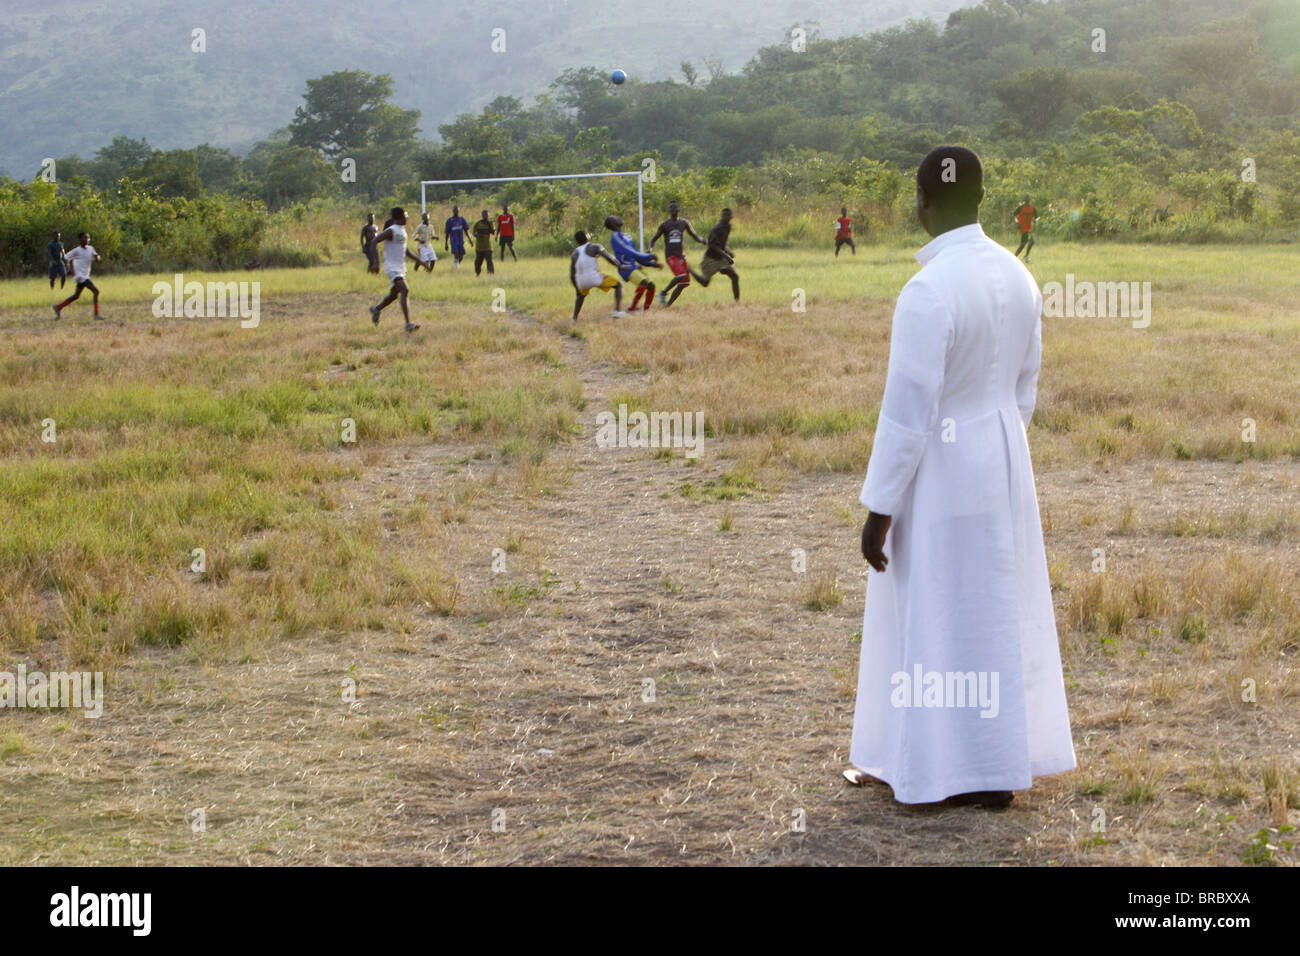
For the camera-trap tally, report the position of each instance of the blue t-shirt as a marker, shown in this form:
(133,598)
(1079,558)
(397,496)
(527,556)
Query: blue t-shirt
(454,229)
(628,255)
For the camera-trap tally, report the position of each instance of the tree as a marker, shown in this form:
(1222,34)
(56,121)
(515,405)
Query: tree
(175,173)
(119,158)
(1034,97)
(219,169)
(347,116)
(587,91)
(349,110)
(295,174)
(124,153)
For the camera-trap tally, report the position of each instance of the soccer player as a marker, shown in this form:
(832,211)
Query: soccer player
(424,237)
(453,235)
(1025,216)
(80,258)
(506,231)
(57,269)
(630,260)
(483,233)
(718,257)
(674,229)
(585,274)
(368,233)
(844,232)
(395,255)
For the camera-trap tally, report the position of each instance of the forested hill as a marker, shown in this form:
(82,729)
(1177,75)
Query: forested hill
(76,73)
(1010,73)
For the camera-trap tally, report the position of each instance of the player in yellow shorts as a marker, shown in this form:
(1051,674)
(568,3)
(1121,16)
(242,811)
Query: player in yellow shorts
(585,274)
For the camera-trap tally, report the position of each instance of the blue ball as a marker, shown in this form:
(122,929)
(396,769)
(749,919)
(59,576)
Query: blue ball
(618,76)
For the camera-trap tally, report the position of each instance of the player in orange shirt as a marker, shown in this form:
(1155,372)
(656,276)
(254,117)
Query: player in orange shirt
(844,232)
(1025,216)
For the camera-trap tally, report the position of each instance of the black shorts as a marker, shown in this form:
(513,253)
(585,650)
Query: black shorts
(58,270)
(507,241)
(87,284)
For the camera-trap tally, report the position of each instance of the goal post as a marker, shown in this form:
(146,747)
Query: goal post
(640,192)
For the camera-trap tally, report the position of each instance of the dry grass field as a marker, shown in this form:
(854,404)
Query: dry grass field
(472,635)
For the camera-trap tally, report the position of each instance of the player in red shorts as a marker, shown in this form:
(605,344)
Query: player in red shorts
(675,229)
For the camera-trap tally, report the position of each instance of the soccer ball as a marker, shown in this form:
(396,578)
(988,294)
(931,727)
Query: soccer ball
(617,77)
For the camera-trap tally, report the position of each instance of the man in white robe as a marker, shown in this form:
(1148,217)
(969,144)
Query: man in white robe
(960,691)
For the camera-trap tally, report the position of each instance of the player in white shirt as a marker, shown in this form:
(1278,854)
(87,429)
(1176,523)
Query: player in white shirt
(424,236)
(395,255)
(585,274)
(80,258)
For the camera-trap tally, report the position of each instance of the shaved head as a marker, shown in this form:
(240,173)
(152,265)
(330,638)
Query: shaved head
(952,177)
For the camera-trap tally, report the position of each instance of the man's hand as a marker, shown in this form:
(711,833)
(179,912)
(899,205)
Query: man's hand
(873,540)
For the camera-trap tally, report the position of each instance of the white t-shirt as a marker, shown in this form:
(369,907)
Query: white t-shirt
(395,252)
(81,257)
(586,270)
(423,232)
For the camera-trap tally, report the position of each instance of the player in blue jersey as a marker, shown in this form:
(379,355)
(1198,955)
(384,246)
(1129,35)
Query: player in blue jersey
(453,235)
(630,260)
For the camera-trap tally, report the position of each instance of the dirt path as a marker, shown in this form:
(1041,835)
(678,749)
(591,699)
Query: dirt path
(733,754)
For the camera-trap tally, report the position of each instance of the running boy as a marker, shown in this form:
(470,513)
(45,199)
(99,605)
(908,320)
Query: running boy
(719,257)
(674,229)
(80,258)
(1025,216)
(395,254)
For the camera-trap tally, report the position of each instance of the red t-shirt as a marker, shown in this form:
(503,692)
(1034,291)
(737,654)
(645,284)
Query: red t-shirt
(506,225)
(845,227)
(1025,216)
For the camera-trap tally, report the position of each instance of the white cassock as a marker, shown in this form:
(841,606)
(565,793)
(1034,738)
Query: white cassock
(960,686)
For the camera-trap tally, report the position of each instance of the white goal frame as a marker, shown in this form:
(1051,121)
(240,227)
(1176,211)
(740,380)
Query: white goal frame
(640,192)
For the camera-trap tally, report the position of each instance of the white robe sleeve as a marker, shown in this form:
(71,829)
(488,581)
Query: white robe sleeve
(918,354)
(1027,382)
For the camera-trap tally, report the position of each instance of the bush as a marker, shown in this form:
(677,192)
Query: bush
(132,227)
